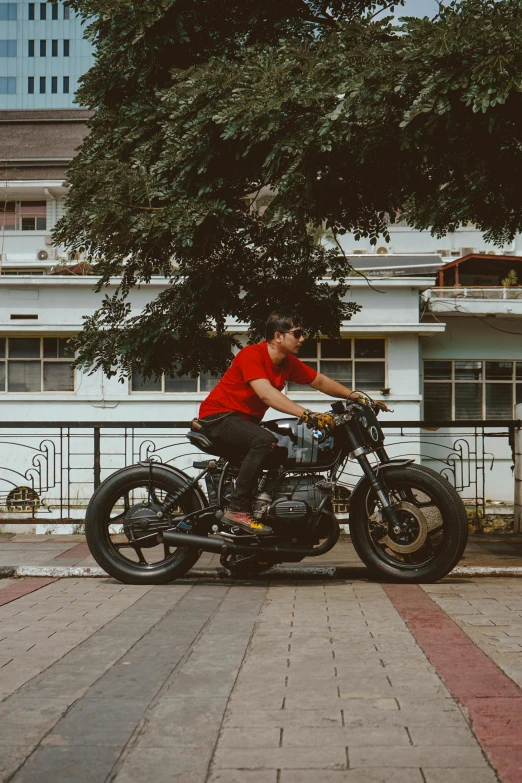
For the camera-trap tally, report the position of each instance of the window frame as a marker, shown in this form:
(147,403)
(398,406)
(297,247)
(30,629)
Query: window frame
(66,47)
(293,388)
(197,390)
(18,214)
(483,381)
(6,359)
(9,81)
(11,11)
(66,85)
(9,48)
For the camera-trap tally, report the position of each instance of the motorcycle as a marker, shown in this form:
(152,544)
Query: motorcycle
(150,523)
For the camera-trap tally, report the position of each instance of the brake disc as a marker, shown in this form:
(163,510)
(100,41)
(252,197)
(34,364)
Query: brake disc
(413,533)
(141,521)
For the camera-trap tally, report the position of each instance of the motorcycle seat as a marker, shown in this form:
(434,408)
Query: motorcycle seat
(202,443)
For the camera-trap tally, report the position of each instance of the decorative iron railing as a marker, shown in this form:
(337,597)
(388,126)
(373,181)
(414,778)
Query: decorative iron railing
(48,472)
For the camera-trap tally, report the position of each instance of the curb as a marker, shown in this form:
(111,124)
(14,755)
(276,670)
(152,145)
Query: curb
(310,572)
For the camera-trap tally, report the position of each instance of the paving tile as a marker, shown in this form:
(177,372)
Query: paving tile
(455,756)
(68,764)
(384,775)
(98,722)
(280,758)
(169,765)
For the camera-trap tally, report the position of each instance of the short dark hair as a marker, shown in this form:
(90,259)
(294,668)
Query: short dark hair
(281,321)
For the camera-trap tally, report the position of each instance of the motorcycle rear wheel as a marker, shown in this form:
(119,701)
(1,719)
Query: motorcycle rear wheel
(107,536)
(434,527)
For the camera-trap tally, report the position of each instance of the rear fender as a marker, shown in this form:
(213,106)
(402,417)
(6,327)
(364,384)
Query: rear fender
(161,467)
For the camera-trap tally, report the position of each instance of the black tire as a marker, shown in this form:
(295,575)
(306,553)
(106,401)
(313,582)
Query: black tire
(99,538)
(452,532)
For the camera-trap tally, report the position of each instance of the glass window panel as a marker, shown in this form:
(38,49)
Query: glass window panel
(58,376)
(369,375)
(468,401)
(30,48)
(7,48)
(2,347)
(436,369)
(66,12)
(24,347)
(43,11)
(437,401)
(518,371)
(54,48)
(499,401)
(139,384)
(336,349)
(54,14)
(499,371)
(518,393)
(33,207)
(43,48)
(66,48)
(342,372)
(66,84)
(7,85)
(30,85)
(24,377)
(28,224)
(369,349)
(50,347)
(41,223)
(206,382)
(42,85)
(2,376)
(31,12)
(308,350)
(183,383)
(64,349)
(54,84)
(298,386)
(468,371)
(7,12)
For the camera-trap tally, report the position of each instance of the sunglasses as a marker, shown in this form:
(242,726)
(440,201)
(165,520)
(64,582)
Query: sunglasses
(298,333)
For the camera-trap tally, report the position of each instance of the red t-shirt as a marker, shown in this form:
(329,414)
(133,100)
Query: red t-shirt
(234,392)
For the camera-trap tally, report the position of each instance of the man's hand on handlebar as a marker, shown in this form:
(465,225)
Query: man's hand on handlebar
(317,421)
(381,406)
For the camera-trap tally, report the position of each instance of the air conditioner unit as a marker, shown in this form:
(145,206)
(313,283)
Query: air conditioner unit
(48,240)
(382,251)
(444,252)
(466,251)
(360,252)
(46,254)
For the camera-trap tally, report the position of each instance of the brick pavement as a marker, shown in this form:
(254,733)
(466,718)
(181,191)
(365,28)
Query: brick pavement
(252,682)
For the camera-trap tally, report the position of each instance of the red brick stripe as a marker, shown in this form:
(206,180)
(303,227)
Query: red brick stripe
(23,587)
(492,700)
(79,551)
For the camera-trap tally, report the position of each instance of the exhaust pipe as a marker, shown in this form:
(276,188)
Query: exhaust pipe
(223,547)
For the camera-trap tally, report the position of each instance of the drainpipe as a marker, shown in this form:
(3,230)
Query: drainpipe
(517,521)
(50,195)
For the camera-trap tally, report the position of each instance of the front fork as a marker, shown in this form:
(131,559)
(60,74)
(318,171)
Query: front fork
(378,487)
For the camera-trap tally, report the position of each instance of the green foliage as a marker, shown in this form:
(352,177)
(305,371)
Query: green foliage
(511,280)
(346,117)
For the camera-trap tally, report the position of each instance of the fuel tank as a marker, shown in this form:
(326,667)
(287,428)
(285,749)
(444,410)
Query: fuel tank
(296,448)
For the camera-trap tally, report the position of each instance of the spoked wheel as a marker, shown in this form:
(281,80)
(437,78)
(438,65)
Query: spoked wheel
(430,535)
(123,519)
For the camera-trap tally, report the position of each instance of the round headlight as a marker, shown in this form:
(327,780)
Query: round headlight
(374,434)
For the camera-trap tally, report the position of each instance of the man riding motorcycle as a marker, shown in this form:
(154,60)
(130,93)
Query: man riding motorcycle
(231,414)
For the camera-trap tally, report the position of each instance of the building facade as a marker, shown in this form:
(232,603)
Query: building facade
(43,54)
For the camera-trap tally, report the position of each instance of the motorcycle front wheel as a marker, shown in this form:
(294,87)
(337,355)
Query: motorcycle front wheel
(121,526)
(432,530)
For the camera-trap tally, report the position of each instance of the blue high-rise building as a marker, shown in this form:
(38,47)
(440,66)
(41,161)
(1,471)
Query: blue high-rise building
(42,55)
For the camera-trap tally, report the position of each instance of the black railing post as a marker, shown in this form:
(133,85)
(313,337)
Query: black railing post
(97,454)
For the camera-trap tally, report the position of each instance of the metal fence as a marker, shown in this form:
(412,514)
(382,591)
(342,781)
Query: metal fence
(48,472)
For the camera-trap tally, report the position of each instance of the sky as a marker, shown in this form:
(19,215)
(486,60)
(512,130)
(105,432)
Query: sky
(418,8)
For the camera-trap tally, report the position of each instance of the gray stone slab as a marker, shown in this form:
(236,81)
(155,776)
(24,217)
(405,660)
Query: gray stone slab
(98,722)
(449,757)
(73,764)
(27,720)
(280,758)
(169,765)
(473,775)
(384,775)
(190,722)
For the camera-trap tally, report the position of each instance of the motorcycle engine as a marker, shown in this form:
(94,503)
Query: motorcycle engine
(289,503)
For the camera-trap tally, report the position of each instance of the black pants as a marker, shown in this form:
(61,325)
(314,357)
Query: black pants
(234,433)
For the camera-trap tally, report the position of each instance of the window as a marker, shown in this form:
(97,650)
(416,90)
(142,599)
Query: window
(66,11)
(30,85)
(66,48)
(23,215)
(43,11)
(43,48)
(31,12)
(173,385)
(35,364)
(54,11)
(30,48)
(54,84)
(54,48)
(7,85)
(458,390)
(7,12)
(66,84)
(359,363)
(7,48)
(42,85)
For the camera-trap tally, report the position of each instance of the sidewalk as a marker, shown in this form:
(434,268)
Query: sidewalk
(68,555)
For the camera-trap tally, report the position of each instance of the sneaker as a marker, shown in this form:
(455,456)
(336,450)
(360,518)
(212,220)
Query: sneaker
(246,522)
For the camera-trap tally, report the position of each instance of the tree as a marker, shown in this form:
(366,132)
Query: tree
(346,116)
